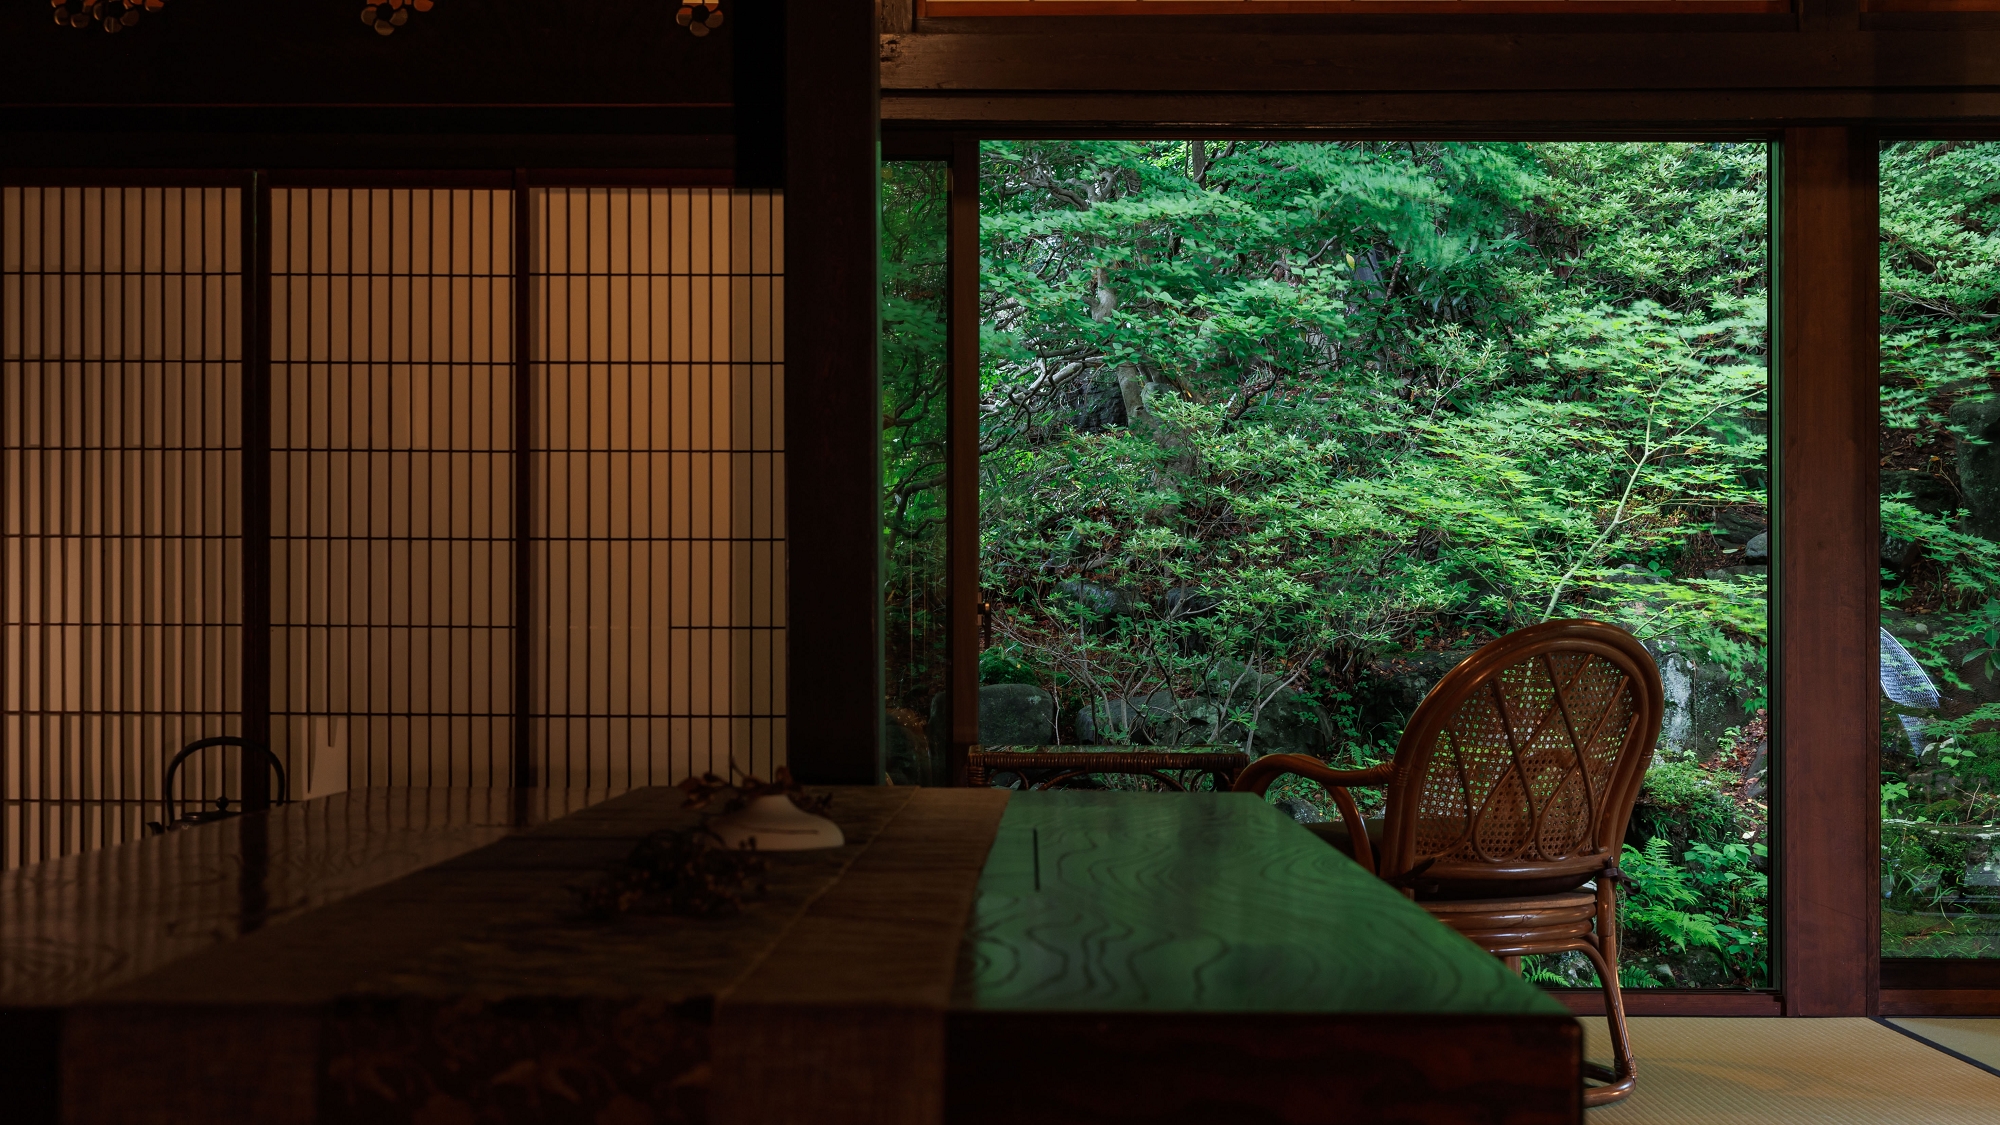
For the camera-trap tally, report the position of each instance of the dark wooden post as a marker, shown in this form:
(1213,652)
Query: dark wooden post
(962,449)
(1828,590)
(254,779)
(833,438)
(524,485)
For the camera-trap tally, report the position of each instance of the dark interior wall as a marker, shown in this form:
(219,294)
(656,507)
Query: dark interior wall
(462,52)
(469,84)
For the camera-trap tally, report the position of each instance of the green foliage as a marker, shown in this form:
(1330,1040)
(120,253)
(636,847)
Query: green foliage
(913,369)
(1366,400)
(1940,287)
(1987,639)
(1712,901)
(1373,387)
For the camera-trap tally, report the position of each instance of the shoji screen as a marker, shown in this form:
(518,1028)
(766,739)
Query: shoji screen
(120,478)
(392,502)
(652,645)
(658,531)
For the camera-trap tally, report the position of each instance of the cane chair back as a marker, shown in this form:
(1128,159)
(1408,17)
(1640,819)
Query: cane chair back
(1518,772)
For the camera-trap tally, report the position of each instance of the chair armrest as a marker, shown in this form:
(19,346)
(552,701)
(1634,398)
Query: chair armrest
(1258,776)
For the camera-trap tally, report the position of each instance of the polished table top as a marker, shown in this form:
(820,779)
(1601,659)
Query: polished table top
(406,956)
(76,926)
(1212,902)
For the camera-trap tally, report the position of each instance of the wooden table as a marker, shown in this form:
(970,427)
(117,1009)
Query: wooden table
(967,957)
(1200,957)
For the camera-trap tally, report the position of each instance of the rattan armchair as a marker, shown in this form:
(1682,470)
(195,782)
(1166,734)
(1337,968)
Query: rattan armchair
(1507,800)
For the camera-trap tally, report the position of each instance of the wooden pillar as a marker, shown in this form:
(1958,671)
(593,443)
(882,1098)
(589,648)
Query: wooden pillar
(962,449)
(255,779)
(833,414)
(1827,590)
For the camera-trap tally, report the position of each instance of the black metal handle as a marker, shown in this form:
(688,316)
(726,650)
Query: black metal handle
(167,789)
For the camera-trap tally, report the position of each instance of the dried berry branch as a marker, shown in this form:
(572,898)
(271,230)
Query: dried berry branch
(678,872)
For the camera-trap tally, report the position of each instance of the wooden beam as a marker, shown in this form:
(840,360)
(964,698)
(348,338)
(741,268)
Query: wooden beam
(1675,1002)
(1508,114)
(833,396)
(1827,592)
(1304,56)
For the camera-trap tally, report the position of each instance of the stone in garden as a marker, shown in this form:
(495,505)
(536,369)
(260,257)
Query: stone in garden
(937,732)
(1632,574)
(906,751)
(1298,810)
(1926,492)
(1141,719)
(1102,603)
(1394,687)
(1016,715)
(1290,724)
(1737,528)
(1186,601)
(1979,463)
(1758,549)
(1103,403)
(1701,704)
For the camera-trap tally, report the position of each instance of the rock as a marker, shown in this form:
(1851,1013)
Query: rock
(1736,527)
(1898,554)
(906,752)
(1103,403)
(1631,574)
(1016,715)
(1291,724)
(1104,605)
(937,732)
(1701,704)
(1129,720)
(1758,549)
(1926,492)
(1181,602)
(1754,779)
(1299,810)
(1733,571)
(1979,463)
(1392,689)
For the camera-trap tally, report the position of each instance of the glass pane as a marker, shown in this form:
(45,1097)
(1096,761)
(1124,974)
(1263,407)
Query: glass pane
(914,370)
(1277,433)
(1940,643)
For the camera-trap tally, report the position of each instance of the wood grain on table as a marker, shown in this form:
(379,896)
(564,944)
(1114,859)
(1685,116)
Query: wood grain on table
(76,926)
(1214,902)
(1199,957)
(473,989)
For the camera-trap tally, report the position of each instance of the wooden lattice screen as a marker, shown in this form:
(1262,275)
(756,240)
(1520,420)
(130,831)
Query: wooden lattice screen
(649,375)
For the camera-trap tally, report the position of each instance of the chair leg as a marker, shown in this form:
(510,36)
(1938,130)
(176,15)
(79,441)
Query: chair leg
(1623,1075)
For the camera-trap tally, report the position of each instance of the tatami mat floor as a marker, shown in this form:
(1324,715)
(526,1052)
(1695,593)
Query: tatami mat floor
(1695,1071)
(1976,1039)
